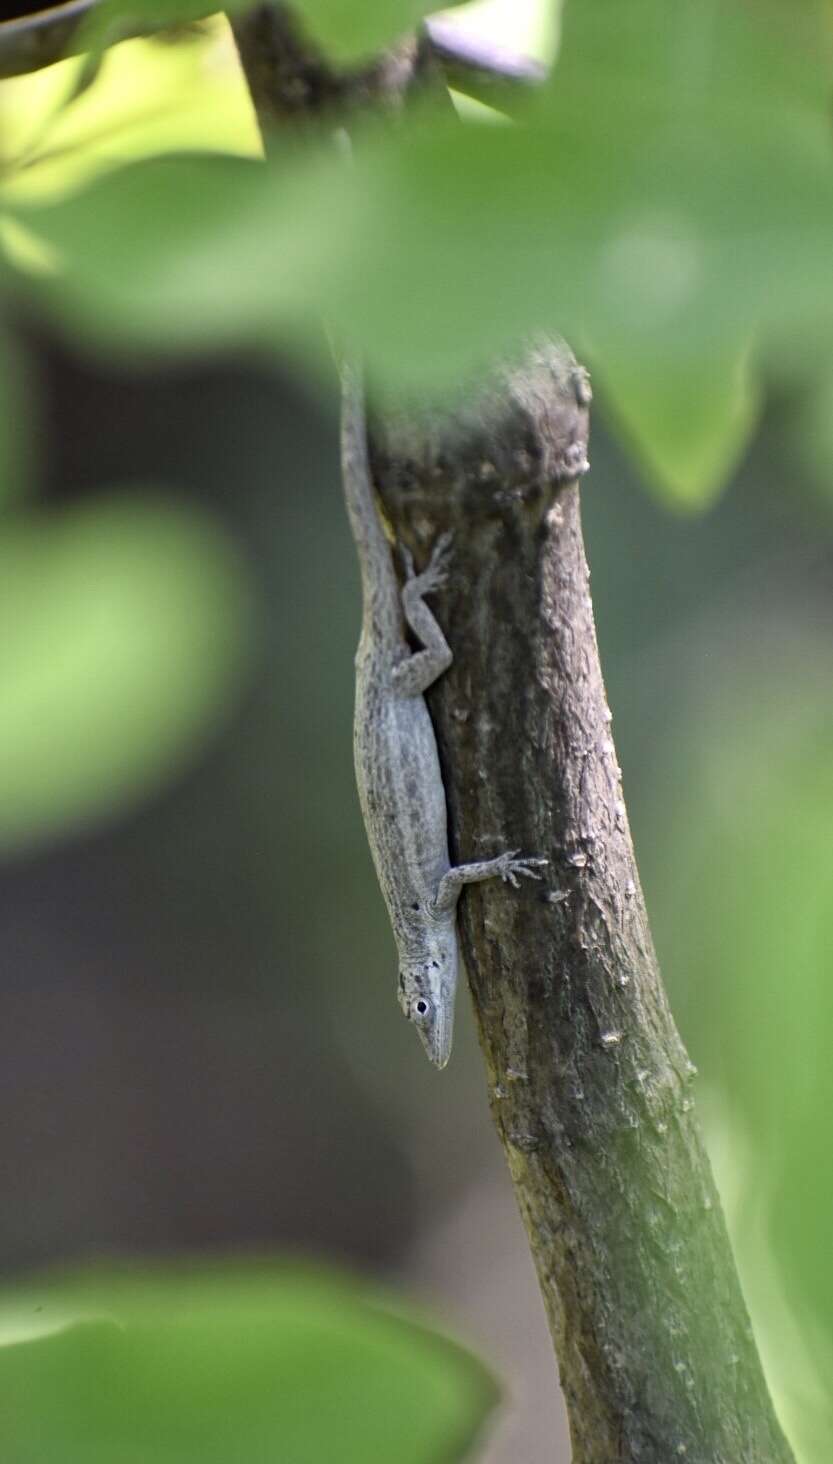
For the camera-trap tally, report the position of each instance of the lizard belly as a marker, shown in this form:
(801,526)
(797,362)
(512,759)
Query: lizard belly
(403,801)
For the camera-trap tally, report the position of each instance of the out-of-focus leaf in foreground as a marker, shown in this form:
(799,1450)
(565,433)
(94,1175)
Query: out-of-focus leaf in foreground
(351,30)
(147,97)
(207,1366)
(346,30)
(124,632)
(688,428)
(679,158)
(110,21)
(186,253)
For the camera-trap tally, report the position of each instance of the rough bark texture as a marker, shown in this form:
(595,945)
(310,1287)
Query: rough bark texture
(590,1086)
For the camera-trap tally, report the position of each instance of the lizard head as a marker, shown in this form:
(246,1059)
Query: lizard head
(426,996)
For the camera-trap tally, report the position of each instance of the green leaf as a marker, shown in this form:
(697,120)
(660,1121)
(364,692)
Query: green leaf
(210,1365)
(175,253)
(184,253)
(110,21)
(688,427)
(679,158)
(354,30)
(63,126)
(345,30)
(124,631)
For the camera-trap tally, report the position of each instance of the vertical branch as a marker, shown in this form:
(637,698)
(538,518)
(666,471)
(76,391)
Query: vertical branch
(590,1086)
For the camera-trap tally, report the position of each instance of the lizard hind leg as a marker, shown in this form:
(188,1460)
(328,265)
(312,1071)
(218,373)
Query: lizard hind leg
(413,676)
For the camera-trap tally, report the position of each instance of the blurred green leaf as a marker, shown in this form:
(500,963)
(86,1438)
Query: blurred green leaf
(680,156)
(352,30)
(144,97)
(111,20)
(689,427)
(234,259)
(757,803)
(124,631)
(215,1365)
(346,30)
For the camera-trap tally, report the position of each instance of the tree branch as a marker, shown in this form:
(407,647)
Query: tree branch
(589,1083)
(590,1086)
(292,84)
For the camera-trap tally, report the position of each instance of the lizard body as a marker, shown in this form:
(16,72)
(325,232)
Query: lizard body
(397,767)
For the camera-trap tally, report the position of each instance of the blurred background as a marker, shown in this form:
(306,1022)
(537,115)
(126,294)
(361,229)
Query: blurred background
(201,1048)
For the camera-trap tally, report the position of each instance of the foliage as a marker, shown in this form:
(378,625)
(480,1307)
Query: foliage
(205,1365)
(139,610)
(645,208)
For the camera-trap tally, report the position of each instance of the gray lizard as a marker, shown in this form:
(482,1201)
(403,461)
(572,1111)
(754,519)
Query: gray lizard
(397,768)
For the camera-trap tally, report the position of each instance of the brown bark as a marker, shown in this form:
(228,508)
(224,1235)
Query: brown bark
(589,1083)
(590,1086)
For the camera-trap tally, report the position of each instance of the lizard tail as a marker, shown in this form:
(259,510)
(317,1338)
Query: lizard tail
(380,590)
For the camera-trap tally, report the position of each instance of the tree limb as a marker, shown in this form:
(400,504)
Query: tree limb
(590,1086)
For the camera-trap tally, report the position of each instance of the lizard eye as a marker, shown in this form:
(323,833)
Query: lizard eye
(421,1008)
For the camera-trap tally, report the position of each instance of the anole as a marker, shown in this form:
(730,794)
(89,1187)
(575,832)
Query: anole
(397,768)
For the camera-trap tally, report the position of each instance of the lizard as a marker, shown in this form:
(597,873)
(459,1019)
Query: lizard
(398,774)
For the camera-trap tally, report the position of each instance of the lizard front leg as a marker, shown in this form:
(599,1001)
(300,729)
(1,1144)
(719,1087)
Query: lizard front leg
(506,867)
(413,676)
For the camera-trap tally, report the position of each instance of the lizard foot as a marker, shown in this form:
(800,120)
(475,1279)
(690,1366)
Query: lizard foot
(509,866)
(435,574)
